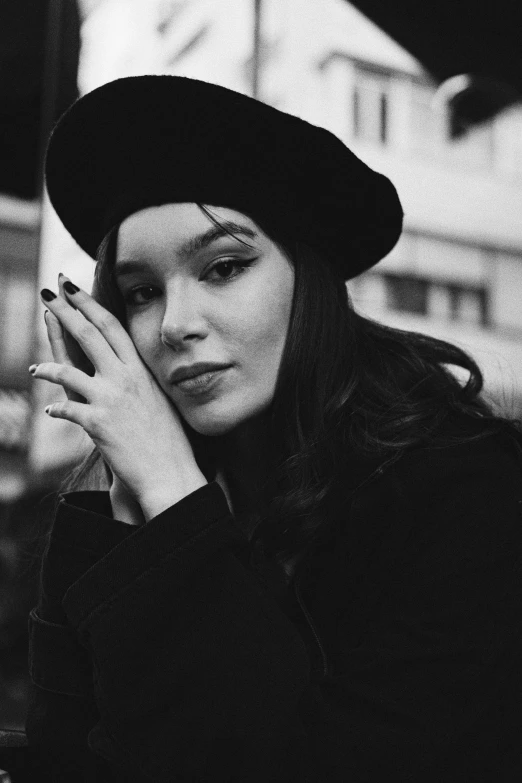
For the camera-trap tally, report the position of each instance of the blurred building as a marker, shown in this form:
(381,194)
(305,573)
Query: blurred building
(456,273)
(39,46)
(19,227)
(457,270)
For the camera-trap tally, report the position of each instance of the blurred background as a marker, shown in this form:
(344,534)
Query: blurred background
(424,93)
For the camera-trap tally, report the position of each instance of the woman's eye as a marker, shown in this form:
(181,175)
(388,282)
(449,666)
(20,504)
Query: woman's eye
(132,296)
(222,272)
(224,269)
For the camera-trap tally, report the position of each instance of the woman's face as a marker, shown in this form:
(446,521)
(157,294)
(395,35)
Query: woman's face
(191,299)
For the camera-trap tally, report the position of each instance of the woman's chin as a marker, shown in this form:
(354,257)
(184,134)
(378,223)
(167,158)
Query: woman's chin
(211,426)
(223,417)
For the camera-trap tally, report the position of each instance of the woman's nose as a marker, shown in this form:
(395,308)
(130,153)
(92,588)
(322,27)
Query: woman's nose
(182,321)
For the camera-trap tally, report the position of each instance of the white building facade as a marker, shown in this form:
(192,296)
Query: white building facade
(456,273)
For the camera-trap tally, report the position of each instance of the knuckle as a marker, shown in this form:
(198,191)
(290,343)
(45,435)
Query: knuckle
(107,321)
(127,380)
(60,373)
(105,393)
(85,332)
(94,427)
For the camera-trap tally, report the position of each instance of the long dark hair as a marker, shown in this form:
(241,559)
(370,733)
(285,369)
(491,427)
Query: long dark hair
(347,387)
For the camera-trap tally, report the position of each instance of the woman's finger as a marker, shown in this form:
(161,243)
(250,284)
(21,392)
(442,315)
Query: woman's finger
(77,356)
(67,376)
(59,350)
(61,292)
(67,344)
(55,334)
(106,322)
(72,411)
(88,336)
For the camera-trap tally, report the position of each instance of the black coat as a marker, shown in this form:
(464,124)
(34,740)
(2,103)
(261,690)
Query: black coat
(159,653)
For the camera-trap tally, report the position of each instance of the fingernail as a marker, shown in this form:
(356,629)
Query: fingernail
(47,295)
(32,368)
(47,409)
(60,274)
(45,315)
(70,287)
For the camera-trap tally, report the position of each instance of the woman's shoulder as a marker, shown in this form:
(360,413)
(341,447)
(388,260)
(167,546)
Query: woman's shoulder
(463,444)
(460,445)
(460,498)
(467,461)
(470,475)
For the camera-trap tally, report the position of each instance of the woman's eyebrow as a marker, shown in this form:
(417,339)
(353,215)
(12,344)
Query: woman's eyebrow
(192,246)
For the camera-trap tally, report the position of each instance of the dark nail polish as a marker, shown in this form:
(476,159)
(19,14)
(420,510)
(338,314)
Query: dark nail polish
(47,295)
(70,287)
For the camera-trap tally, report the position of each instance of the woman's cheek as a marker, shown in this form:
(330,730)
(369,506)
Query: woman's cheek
(261,307)
(142,335)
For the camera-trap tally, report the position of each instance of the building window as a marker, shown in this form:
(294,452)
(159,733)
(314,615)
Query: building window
(406,294)
(438,299)
(469,305)
(430,132)
(371,107)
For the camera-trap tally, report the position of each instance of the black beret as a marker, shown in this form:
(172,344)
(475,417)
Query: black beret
(149,140)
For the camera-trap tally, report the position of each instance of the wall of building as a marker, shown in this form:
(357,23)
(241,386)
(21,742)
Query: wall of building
(456,272)
(19,230)
(19,223)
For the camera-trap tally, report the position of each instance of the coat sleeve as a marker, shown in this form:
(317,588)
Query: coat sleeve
(198,674)
(62,708)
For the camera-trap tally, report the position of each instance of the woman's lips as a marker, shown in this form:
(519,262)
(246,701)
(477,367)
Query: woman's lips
(201,383)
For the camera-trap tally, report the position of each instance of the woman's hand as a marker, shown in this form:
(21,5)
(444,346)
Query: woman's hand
(66,350)
(131,420)
(124,507)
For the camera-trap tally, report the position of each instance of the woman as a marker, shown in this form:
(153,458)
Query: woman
(307,563)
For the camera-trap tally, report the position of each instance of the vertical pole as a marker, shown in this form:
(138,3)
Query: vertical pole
(256,54)
(51,81)
(49,106)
